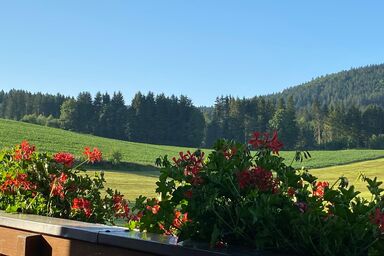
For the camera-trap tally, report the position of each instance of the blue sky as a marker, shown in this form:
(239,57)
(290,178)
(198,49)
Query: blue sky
(201,49)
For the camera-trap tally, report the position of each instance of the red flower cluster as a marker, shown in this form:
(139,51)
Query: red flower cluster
(24,151)
(20,182)
(192,164)
(57,185)
(155,209)
(257,178)
(82,204)
(92,156)
(260,141)
(66,159)
(378,219)
(178,221)
(319,188)
(120,206)
(153,205)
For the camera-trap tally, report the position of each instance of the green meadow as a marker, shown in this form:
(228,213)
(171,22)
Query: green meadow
(138,176)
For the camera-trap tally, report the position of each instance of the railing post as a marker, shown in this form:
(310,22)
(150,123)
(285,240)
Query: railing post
(30,245)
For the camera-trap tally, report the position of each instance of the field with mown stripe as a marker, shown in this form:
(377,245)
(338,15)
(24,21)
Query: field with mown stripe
(371,169)
(132,184)
(137,179)
(54,140)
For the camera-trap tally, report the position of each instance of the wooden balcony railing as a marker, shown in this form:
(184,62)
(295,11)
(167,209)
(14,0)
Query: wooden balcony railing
(32,235)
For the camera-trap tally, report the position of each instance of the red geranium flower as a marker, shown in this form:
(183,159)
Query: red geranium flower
(92,156)
(260,141)
(66,159)
(155,209)
(192,164)
(120,206)
(319,188)
(57,185)
(20,182)
(179,219)
(24,151)
(258,178)
(82,205)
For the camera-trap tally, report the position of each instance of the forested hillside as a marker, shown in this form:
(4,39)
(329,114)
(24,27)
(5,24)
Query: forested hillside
(341,110)
(337,111)
(358,86)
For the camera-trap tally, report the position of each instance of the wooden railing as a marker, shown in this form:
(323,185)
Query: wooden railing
(43,236)
(33,235)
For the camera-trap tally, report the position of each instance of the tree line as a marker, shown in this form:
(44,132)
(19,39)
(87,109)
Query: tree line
(318,127)
(159,119)
(149,118)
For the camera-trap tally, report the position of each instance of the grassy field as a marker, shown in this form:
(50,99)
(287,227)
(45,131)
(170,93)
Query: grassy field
(54,140)
(133,184)
(140,154)
(138,175)
(371,169)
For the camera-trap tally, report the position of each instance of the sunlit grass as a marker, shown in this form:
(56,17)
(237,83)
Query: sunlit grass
(371,169)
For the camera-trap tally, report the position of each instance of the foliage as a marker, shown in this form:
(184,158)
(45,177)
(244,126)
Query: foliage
(51,185)
(233,197)
(116,157)
(41,120)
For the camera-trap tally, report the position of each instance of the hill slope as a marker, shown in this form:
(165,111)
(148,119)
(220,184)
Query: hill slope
(358,86)
(55,140)
(140,154)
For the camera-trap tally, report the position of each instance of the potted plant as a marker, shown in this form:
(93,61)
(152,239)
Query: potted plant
(235,197)
(57,186)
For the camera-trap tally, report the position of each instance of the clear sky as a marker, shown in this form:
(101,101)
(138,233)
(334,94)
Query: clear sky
(198,48)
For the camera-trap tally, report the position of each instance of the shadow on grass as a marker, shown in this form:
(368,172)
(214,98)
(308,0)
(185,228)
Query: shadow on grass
(124,167)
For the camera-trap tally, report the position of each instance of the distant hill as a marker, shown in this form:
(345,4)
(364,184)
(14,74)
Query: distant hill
(358,86)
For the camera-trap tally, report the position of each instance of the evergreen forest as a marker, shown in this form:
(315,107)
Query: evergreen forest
(336,111)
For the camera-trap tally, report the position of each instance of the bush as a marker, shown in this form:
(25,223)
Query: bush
(41,120)
(29,118)
(52,122)
(51,185)
(116,157)
(235,198)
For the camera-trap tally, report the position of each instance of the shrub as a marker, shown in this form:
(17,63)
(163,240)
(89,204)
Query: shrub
(41,120)
(29,118)
(236,198)
(53,122)
(52,185)
(116,157)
